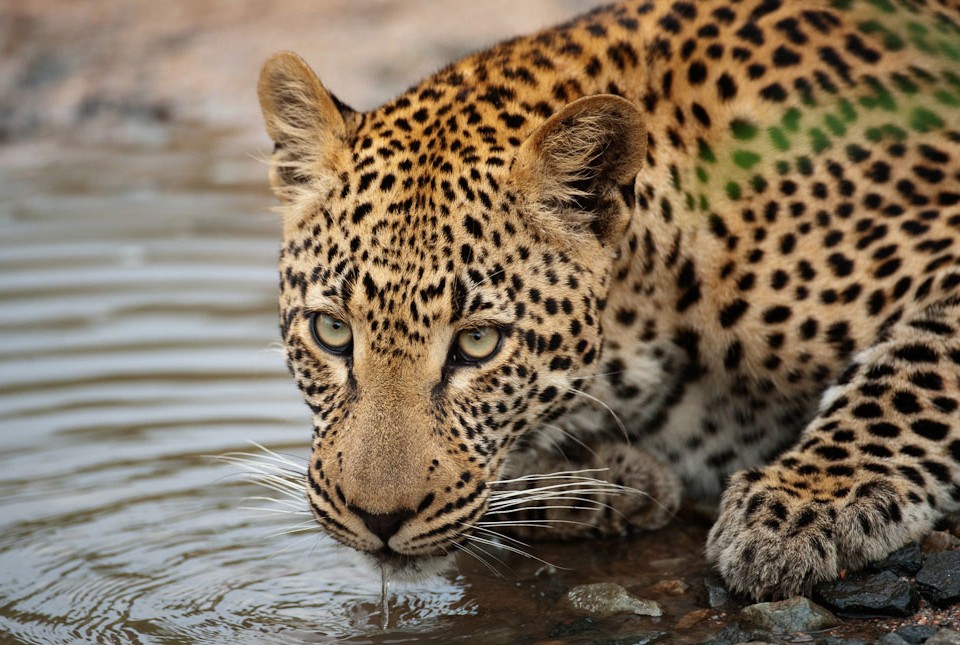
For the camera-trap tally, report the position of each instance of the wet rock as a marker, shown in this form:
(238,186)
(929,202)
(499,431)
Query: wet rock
(573,628)
(940,541)
(672,587)
(734,635)
(916,634)
(905,561)
(788,616)
(836,640)
(716,593)
(944,637)
(939,579)
(607,599)
(866,595)
(635,639)
(892,639)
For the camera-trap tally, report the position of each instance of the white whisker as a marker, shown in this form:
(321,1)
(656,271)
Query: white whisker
(489,531)
(465,548)
(290,546)
(620,424)
(563,474)
(272,510)
(508,547)
(565,488)
(584,377)
(570,437)
(297,530)
(285,478)
(532,524)
(594,505)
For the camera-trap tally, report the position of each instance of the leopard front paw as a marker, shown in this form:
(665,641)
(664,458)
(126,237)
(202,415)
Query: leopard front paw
(652,491)
(775,540)
(618,489)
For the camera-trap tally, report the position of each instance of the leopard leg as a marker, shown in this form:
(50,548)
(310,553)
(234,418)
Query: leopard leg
(873,471)
(615,488)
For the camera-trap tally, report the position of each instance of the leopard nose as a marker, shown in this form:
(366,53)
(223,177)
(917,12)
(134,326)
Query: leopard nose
(383,525)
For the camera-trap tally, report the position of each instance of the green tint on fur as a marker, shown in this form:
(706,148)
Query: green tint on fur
(839,121)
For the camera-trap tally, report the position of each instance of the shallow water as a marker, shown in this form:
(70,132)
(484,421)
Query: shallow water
(138,341)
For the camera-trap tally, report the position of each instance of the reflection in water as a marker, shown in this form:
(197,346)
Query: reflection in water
(137,340)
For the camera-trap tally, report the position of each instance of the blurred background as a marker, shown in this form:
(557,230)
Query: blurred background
(138,336)
(130,71)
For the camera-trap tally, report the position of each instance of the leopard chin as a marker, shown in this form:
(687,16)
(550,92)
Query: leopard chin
(398,567)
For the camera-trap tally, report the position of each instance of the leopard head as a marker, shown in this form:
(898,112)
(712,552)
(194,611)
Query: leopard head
(443,270)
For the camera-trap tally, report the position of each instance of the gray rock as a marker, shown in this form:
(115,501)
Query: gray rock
(716,593)
(905,561)
(635,639)
(604,599)
(916,634)
(735,635)
(865,595)
(892,639)
(788,616)
(944,637)
(573,628)
(939,579)
(836,640)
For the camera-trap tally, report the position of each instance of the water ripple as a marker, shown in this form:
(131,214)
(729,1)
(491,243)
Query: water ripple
(137,340)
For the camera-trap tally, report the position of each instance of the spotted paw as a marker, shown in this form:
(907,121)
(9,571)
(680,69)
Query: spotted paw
(619,489)
(775,540)
(651,492)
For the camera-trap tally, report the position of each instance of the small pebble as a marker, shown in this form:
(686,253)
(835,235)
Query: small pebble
(939,579)
(691,618)
(604,599)
(788,616)
(672,587)
(869,595)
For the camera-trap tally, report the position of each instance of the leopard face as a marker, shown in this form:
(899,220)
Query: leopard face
(439,296)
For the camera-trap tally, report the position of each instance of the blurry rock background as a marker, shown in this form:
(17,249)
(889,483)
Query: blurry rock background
(127,71)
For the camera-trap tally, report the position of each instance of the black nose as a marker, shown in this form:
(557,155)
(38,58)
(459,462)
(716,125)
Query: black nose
(383,525)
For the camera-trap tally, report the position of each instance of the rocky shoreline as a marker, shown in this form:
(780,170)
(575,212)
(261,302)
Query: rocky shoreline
(908,598)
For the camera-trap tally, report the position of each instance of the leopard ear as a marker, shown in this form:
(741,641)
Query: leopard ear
(307,124)
(577,162)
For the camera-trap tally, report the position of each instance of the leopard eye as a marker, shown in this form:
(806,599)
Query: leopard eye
(477,345)
(331,334)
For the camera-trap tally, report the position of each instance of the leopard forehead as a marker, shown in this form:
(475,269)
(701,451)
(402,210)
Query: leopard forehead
(412,236)
(444,206)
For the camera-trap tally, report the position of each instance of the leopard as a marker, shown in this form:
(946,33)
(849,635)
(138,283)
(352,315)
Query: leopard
(703,250)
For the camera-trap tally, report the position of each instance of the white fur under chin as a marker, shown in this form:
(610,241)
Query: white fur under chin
(413,570)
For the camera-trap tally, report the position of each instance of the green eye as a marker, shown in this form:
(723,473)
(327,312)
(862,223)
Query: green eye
(476,345)
(332,334)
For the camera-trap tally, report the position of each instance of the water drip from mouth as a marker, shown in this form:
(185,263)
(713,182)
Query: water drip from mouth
(384,597)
